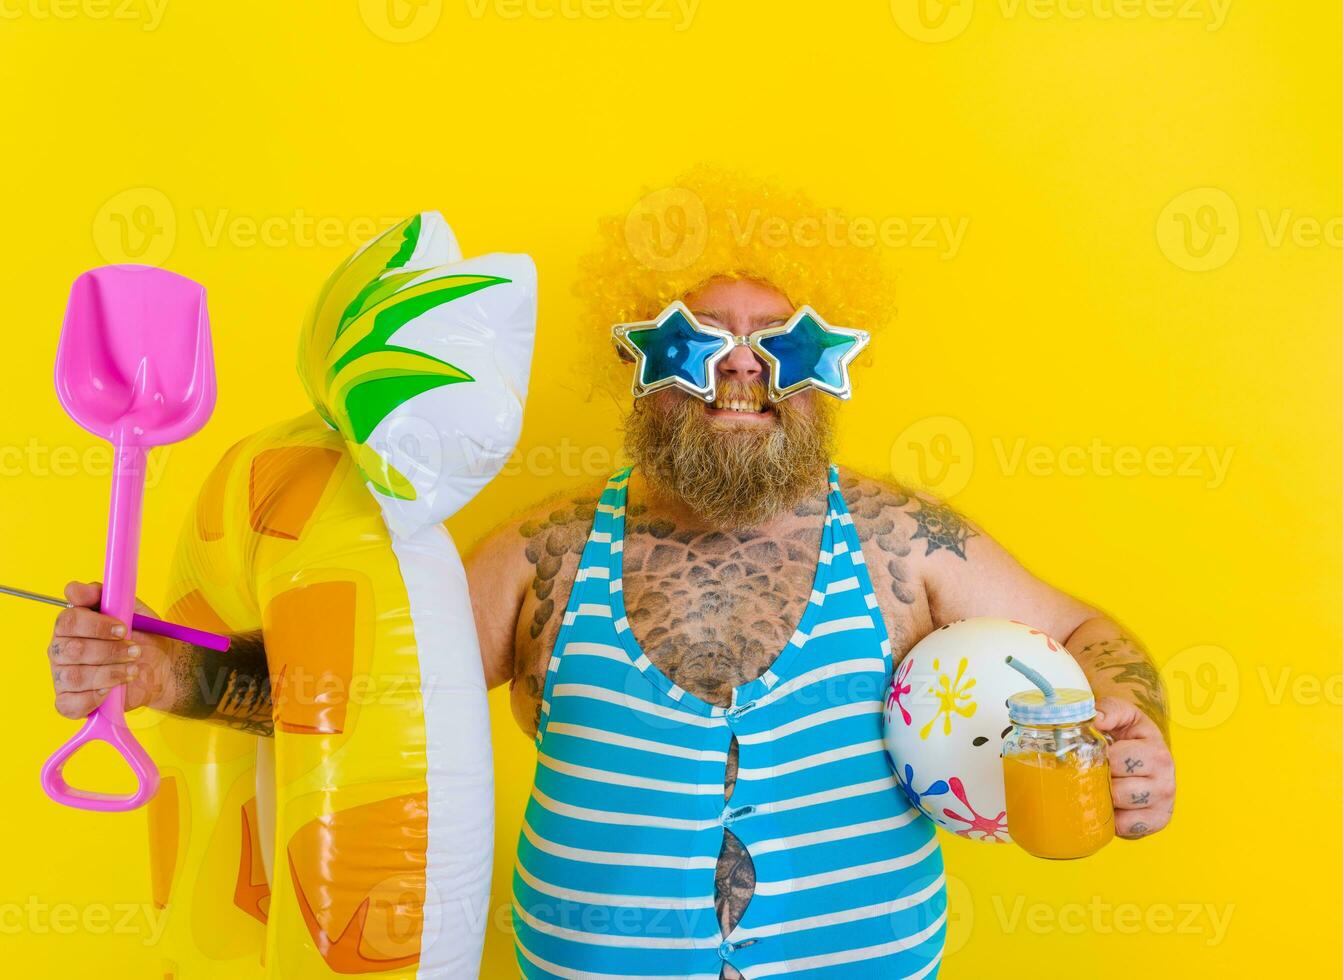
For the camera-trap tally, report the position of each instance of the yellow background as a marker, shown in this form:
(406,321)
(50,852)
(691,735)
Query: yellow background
(1139,269)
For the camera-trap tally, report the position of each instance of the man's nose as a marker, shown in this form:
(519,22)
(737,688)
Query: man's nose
(741,365)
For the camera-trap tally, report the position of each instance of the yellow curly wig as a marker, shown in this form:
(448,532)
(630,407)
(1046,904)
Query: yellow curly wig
(711,224)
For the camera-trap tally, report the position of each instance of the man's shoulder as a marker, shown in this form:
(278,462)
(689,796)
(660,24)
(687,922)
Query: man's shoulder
(543,533)
(885,508)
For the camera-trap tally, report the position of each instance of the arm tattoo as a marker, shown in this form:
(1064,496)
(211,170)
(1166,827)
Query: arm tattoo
(941,527)
(231,688)
(563,532)
(1123,663)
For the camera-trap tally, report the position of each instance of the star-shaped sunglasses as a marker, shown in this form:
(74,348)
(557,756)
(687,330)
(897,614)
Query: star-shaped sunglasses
(676,350)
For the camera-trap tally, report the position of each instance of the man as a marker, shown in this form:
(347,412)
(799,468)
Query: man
(700,647)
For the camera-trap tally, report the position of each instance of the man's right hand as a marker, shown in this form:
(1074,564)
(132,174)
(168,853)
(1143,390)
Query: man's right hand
(91,653)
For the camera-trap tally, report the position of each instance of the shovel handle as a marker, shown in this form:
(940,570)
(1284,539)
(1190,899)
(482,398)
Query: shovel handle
(107,723)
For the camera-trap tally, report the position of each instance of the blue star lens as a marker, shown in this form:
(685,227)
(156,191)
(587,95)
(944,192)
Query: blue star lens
(675,349)
(808,352)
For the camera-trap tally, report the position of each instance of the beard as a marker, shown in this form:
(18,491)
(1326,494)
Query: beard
(731,474)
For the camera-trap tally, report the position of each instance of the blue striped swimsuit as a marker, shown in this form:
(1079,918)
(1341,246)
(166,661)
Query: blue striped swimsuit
(621,836)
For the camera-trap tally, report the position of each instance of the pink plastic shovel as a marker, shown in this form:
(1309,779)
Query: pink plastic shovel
(134,367)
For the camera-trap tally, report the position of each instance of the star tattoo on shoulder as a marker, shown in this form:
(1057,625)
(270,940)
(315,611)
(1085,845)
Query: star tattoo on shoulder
(941,527)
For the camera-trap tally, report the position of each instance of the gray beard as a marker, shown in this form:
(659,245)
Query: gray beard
(730,476)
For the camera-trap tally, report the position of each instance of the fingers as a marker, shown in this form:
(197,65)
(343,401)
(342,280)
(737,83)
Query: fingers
(79,705)
(1139,758)
(65,651)
(83,678)
(1132,793)
(82,622)
(1136,824)
(1123,719)
(84,593)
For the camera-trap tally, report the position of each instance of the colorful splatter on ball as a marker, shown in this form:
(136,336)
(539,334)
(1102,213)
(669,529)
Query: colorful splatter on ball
(946,714)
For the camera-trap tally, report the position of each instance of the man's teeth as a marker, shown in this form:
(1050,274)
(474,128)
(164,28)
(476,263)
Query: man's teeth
(737,405)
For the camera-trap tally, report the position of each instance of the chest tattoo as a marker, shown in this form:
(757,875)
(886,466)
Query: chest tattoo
(713,609)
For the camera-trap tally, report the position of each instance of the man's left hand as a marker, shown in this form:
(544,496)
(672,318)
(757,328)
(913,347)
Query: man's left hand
(1142,770)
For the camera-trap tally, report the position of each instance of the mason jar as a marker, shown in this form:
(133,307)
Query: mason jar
(1057,775)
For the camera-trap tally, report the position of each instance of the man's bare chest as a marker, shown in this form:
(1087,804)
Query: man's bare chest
(713,610)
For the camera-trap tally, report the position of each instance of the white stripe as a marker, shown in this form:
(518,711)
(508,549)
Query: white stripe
(845,874)
(599,609)
(610,939)
(617,546)
(586,648)
(817,598)
(830,795)
(613,511)
(843,585)
(633,703)
(610,777)
(592,571)
(824,557)
(615,817)
(843,625)
(857,558)
(458,768)
(847,915)
(845,832)
(841,547)
(811,721)
(568,974)
(808,761)
(617,585)
(600,537)
(871,600)
(624,901)
(630,742)
(616,857)
(856,955)
(844,518)
(827,672)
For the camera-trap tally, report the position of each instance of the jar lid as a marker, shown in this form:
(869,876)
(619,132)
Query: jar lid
(1069,706)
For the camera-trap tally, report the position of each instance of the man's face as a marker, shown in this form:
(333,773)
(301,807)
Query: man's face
(743,459)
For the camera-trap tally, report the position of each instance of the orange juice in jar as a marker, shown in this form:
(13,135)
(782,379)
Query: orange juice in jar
(1057,775)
